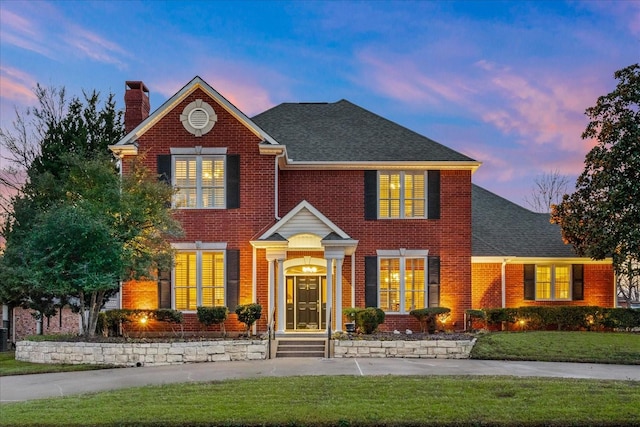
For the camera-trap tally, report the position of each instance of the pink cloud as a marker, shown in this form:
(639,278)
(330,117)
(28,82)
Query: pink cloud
(402,79)
(16,85)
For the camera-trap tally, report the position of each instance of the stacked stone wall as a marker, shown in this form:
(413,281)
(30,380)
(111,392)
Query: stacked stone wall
(140,354)
(436,349)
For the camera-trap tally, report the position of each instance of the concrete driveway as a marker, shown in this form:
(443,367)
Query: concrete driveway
(27,387)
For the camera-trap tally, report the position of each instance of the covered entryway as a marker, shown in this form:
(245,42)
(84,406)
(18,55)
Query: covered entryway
(306,302)
(305,253)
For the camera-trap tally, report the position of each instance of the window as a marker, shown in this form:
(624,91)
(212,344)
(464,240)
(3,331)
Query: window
(401,195)
(402,284)
(553,282)
(199,279)
(199,181)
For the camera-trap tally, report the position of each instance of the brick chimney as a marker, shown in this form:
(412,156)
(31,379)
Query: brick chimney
(136,104)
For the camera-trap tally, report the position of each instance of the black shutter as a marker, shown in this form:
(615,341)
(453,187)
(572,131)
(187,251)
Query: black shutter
(371,281)
(163,164)
(578,282)
(164,288)
(433,194)
(233,181)
(233,278)
(530,282)
(370,195)
(434,281)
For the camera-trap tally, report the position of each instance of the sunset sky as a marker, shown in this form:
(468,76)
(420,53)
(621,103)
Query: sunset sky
(506,83)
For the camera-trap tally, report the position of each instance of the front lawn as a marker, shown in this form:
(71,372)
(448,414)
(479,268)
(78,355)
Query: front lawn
(346,401)
(10,366)
(556,346)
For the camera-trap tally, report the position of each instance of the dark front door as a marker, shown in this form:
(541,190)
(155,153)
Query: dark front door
(308,299)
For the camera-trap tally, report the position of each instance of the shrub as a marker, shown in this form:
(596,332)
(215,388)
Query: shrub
(110,322)
(368,319)
(213,316)
(428,317)
(621,318)
(248,314)
(495,316)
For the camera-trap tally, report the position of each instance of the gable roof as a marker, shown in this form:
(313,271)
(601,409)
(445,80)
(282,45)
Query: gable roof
(503,228)
(344,132)
(127,145)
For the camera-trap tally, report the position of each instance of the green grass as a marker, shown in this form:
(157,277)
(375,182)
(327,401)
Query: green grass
(591,347)
(10,366)
(346,400)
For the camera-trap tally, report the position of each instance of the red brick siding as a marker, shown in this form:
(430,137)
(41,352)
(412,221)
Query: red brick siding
(25,324)
(598,286)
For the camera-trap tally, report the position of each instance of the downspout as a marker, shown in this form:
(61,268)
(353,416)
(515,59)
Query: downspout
(353,279)
(278,157)
(503,274)
(254,284)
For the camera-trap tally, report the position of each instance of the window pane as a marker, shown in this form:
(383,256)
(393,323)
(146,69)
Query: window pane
(543,282)
(414,194)
(414,285)
(389,195)
(390,284)
(185,281)
(562,282)
(212,279)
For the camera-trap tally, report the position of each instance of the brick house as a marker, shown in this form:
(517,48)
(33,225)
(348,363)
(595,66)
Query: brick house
(309,208)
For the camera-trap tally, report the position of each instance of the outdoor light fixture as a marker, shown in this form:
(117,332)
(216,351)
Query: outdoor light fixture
(143,320)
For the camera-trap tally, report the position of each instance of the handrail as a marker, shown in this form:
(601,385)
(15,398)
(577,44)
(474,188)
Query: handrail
(271,330)
(329,336)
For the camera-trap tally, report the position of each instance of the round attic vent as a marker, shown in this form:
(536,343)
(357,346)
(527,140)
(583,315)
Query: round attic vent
(198,117)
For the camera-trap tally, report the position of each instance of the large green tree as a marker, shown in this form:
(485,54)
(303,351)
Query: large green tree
(76,227)
(602,217)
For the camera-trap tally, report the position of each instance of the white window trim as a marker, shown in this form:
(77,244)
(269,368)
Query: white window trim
(404,254)
(199,248)
(552,290)
(198,158)
(402,199)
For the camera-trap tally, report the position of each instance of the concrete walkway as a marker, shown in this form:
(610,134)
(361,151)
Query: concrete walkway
(27,387)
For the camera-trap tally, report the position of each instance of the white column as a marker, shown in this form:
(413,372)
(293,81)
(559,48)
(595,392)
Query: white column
(329,291)
(282,297)
(338,322)
(271,293)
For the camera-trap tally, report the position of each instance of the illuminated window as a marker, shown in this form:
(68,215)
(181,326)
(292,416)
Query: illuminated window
(553,282)
(199,181)
(199,279)
(402,284)
(401,195)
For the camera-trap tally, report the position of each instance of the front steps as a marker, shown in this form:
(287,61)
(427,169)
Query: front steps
(298,347)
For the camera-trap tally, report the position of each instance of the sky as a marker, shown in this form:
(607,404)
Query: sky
(506,83)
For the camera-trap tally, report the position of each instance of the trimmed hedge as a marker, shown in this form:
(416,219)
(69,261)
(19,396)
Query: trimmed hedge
(213,316)
(428,317)
(562,318)
(110,322)
(367,319)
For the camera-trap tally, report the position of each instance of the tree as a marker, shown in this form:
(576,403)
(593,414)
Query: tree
(547,191)
(76,227)
(602,217)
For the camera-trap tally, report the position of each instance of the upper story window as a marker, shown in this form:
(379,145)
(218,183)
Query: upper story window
(553,282)
(401,195)
(199,181)
(204,177)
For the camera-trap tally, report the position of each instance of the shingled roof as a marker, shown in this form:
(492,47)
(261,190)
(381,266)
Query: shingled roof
(345,132)
(502,228)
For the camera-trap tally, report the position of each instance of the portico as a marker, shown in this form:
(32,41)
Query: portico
(306,252)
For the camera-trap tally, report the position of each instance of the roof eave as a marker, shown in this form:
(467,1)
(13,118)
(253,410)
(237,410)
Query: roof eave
(378,165)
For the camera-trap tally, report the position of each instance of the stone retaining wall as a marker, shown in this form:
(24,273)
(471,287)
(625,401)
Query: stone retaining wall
(140,354)
(436,349)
